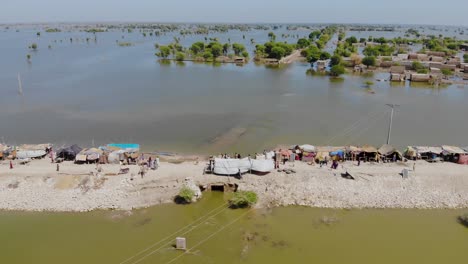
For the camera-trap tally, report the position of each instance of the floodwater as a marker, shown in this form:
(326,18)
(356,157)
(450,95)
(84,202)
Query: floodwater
(98,92)
(280,235)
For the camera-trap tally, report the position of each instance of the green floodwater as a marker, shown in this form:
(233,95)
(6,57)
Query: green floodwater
(280,235)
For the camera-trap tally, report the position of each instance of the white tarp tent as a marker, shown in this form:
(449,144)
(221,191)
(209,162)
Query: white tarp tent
(32,154)
(236,166)
(262,166)
(231,166)
(307,148)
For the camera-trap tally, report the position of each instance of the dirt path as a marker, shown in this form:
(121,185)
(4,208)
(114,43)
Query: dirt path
(295,56)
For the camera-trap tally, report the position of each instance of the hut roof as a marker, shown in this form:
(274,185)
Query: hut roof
(453,150)
(425,149)
(387,149)
(328,149)
(353,149)
(397,69)
(307,148)
(369,149)
(34,146)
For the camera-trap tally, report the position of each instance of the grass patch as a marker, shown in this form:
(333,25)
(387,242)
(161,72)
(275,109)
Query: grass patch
(185,196)
(243,199)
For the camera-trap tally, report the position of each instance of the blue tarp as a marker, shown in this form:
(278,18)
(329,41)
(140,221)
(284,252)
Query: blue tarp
(124,145)
(339,153)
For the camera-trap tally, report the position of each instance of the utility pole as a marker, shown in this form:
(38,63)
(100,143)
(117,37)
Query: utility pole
(391,121)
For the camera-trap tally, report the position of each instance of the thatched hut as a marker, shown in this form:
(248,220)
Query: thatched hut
(452,153)
(423,152)
(387,153)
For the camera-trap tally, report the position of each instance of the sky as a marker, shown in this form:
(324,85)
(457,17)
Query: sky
(433,12)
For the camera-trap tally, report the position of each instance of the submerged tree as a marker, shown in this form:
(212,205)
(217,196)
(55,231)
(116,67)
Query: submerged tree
(337,70)
(164,52)
(369,61)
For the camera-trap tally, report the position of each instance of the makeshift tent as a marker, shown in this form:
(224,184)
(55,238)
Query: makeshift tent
(307,148)
(463,159)
(452,150)
(389,151)
(262,166)
(124,146)
(452,153)
(90,155)
(31,154)
(231,166)
(69,153)
(35,146)
(423,152)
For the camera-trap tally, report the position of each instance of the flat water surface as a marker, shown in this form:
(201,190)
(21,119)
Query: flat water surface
(219,235)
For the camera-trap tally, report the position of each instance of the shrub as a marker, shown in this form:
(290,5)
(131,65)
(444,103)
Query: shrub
(369,61)
(185,195)
(417,65)
(337,70)
(180,56)
(463,219)
(465,58)
(446,72)
(422,71)
(243,199)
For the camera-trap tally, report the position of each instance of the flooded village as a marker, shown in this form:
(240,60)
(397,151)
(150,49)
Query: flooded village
(220,115)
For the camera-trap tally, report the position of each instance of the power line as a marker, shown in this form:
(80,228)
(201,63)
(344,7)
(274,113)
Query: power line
(171,235)
(159,248)
(209,237)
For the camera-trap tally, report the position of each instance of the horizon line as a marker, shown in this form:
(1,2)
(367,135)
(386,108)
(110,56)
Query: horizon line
(235,23)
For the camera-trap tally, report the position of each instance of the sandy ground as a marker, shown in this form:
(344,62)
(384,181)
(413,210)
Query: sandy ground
(38,187)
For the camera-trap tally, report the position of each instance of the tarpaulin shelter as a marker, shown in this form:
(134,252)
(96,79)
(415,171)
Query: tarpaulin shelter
(389,151)
(69,153)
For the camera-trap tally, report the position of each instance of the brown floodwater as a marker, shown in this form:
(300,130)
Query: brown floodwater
(98,92)
(279,235)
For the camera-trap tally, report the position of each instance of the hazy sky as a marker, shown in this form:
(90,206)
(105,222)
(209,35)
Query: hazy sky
(444,12)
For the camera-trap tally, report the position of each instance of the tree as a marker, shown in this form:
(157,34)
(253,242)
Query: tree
(260,50)
(216,49)
(28,56)
(226,48)
(303,43)
(34,46)
(324,55)
(238,48)
(369,61)
(335,60)
(277,52)
(38,34)
(272,36)
(207,55)
(245,54)
(197,47)
(315,34)
(351,40)
(180,56)
(164,52)
(337,70)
